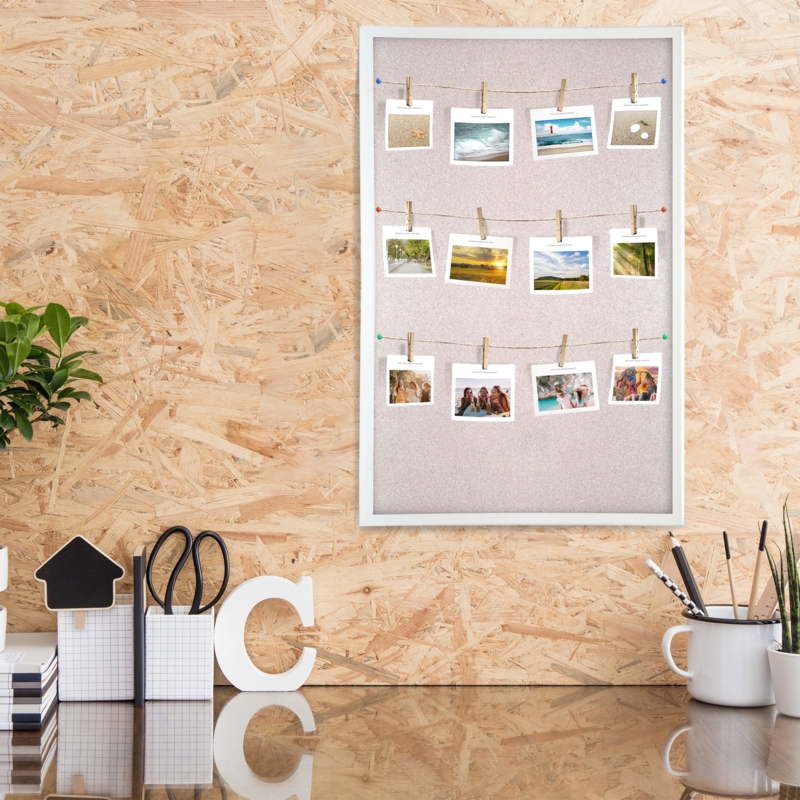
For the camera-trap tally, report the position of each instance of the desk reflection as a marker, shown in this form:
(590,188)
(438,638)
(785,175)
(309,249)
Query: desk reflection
(448,743)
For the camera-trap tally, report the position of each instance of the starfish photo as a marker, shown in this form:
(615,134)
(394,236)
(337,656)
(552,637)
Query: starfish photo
(418,134)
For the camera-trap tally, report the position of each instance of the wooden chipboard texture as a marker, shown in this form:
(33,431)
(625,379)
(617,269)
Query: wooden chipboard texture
(185,174)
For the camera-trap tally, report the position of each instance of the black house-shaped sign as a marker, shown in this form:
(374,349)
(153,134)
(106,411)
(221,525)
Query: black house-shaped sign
(79,576)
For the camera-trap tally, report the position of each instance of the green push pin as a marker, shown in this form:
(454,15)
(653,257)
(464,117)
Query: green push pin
(380,336)
(665,336)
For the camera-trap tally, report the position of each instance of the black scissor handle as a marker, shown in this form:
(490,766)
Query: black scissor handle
(198,571)
(166,604)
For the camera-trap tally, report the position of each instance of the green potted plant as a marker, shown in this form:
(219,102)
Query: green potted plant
(784,658)
(37,383)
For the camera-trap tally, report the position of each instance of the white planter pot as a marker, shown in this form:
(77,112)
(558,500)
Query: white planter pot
(785,669)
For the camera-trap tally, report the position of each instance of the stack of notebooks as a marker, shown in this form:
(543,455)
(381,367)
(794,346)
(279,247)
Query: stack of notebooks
(28,699)
(28,681)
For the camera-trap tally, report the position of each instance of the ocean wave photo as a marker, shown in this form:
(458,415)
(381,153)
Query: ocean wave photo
(481,141)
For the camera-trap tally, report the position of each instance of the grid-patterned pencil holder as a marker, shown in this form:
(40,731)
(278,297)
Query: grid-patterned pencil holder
(95,653)
(180,654)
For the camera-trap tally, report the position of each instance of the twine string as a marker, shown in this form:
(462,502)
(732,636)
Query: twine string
(381,337)
(520,91)
(416,213)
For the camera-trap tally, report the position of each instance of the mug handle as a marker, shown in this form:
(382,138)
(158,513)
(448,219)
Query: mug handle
(666,643)
(666,751)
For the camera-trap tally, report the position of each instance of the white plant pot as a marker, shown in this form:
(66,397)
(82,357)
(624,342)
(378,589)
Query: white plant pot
(785,669)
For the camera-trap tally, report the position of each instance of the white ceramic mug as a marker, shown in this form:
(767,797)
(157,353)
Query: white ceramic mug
(726,750)
(727,659)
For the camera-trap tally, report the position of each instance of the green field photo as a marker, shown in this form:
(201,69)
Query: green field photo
(561,270)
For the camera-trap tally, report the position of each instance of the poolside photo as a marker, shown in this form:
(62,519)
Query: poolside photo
(566,389)
(480,394)
(561,266)
(567,133)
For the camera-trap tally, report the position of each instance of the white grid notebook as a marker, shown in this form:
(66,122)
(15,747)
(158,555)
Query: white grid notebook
(180,654)
(95,749)
(179,744)
(96,662)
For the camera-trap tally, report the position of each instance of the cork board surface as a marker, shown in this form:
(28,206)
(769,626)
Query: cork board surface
(576,463)
(223,302)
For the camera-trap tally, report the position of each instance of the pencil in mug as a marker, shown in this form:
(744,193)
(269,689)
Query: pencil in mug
(762,543)
(656,570)
(686,573)
(730,575)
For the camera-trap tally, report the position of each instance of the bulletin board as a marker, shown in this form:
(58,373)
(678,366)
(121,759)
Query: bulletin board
(585,449)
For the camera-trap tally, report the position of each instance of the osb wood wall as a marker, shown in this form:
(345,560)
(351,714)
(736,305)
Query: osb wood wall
(185,174)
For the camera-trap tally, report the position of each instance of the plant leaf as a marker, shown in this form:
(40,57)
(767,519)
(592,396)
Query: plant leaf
(7,421)
(17,352)
(58,379)
(24,426)
(57,320)
(86,374)
(5,366)
(76,354)
(14,309)
(30,325)
(8,331)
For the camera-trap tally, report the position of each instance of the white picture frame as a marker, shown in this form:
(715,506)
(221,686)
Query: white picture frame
(371,356)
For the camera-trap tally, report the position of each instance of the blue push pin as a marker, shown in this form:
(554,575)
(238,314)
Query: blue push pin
(378,80)
(663,80)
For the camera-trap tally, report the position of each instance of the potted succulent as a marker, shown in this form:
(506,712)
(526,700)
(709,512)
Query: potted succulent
(36,382)
(784,658)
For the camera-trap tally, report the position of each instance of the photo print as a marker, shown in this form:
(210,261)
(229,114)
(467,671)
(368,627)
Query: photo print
(407,254)
(561,267)
(409,382)
(634,124)
(483,394)
(570,132)
(482,139)
(634,255)
(482,261)
(636,380)
(409,127)
(568,389)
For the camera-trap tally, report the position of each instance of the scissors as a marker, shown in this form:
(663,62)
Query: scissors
(191,547)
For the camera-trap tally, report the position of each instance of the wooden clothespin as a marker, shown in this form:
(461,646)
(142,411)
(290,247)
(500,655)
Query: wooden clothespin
(409,226)
(634,87)
(485,362)
(635,344)
(561,94)
(634,214)
(563,357)
(410,346)
(558,226)
(79,620)
(409,91)
(484,97)
(481,227)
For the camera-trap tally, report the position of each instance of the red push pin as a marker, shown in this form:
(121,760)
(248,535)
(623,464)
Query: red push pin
(379,209)
(663,208)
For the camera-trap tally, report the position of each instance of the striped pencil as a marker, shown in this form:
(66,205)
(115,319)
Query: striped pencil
(656,570)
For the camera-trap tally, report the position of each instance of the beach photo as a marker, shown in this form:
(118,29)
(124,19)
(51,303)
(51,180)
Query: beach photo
(570,132)
(558,267)
(410,382)
(483,394)
(567,389)
(409,127)
(407,254)
(481,139)
(634,125)
(475,260)
(634,255)
(635,380)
